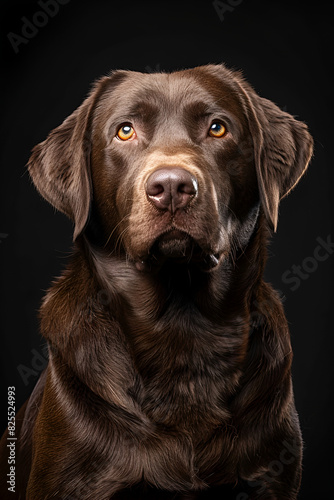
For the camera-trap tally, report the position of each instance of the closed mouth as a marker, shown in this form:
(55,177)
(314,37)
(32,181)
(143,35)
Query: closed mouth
(178,247)
(174,244)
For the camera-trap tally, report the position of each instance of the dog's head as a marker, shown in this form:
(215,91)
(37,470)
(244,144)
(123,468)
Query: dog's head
(171,166)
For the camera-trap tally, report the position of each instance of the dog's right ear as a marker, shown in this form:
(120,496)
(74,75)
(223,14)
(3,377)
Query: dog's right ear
(283,148)
(60,166)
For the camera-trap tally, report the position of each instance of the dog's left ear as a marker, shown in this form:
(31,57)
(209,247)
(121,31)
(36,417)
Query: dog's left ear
(59,166)
(282,150)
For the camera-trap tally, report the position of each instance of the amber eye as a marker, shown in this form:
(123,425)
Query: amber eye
(217,129)
(125,132)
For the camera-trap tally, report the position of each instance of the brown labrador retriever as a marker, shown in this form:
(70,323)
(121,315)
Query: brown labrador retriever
(170,359)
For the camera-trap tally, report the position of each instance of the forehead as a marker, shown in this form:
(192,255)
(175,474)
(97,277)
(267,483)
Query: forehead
(195,91)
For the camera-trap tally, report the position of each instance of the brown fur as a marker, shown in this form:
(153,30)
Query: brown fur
(170,358)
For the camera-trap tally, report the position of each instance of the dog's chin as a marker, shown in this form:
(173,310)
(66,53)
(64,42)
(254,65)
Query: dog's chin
(174,244)
(177,247)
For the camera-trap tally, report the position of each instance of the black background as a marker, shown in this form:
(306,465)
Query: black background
(283,49)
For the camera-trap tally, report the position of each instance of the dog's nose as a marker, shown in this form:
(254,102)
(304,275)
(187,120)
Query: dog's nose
(171,188)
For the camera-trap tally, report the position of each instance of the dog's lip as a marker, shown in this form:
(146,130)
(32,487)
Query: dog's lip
(173,234)
(173,243)
(178,246)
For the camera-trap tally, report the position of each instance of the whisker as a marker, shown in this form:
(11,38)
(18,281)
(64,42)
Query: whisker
(120,240)
(114,229)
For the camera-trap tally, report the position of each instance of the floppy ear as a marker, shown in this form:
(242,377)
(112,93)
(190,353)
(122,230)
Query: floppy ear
(282,150)
(60,166)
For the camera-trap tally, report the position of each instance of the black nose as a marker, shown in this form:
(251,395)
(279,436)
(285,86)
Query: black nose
(171,188)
